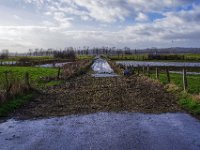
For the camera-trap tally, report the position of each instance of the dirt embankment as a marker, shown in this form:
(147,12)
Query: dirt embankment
(86,94)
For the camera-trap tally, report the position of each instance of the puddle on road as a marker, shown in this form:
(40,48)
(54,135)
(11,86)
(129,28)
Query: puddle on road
(177,131)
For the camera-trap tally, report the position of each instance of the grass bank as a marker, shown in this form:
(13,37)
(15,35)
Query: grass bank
(14,103)
(189,100)
(193,81)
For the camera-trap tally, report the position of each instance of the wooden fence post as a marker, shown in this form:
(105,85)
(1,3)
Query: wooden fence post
(138,69)
(185,83)
(7,82)
(148,71)
(58,76)
(168,75)
(132,69)
(27,80)
(157,73)
(143,69)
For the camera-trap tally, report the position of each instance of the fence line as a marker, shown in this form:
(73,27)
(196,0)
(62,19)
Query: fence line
(141,70)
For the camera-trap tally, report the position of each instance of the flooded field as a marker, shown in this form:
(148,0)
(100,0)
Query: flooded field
(53,65)
(158,64)
(8,62)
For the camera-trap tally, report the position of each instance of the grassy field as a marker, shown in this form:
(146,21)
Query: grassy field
(138,57)
(190,100)
(34,58)
(42,58)
(18,73)
(82,57)
(144,57)
(193,81)
(192,57)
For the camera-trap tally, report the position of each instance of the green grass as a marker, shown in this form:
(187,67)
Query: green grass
(193,81)
(195,57)
(189,104)
(82,57)
(13,104)
(18,73)
(144,57)
(186,100)
(139,57)
(16,58)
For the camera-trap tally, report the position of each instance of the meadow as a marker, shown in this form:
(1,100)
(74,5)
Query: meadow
(177,79)
(18,73)
(190,99)
(162,57)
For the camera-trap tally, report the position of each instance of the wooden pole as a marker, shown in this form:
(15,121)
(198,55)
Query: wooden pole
(138,70)
(185,83)
(143,70)
(148,71)
(168,75)
(157,73)
(6,77)
(132,70)
(27,79)
(58,76)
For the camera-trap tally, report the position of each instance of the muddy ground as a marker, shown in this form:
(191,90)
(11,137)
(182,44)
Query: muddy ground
(86,94)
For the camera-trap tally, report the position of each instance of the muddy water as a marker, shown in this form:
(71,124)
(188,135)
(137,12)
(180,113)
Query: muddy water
(174,131)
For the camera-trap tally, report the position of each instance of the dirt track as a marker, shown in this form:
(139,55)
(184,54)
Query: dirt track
(85,94)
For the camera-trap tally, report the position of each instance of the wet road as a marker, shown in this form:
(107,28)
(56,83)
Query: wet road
(116,131)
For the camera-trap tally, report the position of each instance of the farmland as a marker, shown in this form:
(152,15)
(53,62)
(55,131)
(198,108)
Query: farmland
(44,79)
(161,58)
(17,73)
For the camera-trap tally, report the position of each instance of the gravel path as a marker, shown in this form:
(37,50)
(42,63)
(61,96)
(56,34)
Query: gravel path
(117,131)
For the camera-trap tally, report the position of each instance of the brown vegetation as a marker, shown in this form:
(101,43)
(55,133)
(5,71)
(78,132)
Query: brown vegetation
(86,94)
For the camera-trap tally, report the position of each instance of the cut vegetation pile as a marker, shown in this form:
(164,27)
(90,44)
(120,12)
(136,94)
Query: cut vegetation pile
(88,95)
(76,68)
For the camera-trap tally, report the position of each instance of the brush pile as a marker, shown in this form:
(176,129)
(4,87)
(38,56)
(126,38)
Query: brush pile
(85,94)
(76,68)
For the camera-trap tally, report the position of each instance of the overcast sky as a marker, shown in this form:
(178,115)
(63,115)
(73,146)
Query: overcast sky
(28,24)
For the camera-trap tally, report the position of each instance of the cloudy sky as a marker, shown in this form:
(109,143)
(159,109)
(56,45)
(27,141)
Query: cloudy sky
(28,24)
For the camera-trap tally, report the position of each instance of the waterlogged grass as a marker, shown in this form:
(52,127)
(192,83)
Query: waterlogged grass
(18,73)
(13,104)
(177,79)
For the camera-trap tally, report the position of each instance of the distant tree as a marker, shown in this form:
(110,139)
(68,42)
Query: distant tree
(4,54)
(66,54)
